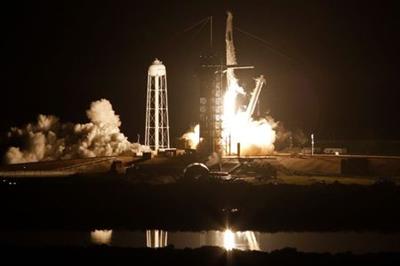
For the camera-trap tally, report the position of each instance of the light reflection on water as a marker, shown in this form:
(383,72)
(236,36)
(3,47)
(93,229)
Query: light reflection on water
(236,240)
(156,238)
(249,240)
(101,237)
(333,242)
(159,238)
(229,240)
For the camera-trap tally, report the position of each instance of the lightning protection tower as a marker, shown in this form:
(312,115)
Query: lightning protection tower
(157,125)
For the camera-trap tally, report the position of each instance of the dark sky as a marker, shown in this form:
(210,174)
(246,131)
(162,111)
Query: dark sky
(331,66)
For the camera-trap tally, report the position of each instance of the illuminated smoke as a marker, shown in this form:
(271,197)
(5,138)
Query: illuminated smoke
(49,139)
(192,137)
(256,137)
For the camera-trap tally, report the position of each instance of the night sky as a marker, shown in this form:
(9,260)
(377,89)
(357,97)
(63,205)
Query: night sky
(331,66)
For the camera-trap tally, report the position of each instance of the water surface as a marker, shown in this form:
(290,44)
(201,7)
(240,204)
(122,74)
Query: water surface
(333,242)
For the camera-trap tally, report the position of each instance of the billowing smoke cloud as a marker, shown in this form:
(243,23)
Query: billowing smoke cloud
(287,139)
(49,139)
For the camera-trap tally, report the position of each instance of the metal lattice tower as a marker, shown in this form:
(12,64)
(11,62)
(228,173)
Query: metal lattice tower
(157,124)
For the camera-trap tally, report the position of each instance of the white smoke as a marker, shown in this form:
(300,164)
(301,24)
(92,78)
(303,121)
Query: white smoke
(192,137)
(49,139)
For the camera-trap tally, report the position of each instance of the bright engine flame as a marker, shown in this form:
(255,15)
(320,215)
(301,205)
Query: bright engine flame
(256,137)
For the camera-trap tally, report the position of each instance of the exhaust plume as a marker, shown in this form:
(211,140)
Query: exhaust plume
(49,139)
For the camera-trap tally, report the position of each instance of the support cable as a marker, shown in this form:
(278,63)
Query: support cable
(265,44)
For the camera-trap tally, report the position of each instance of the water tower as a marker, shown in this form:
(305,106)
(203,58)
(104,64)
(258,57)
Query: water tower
(157,125)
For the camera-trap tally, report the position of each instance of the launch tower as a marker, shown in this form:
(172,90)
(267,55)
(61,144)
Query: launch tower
(215,78)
